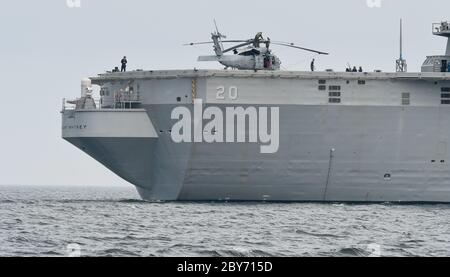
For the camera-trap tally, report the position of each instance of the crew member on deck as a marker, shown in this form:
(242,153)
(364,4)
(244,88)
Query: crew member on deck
(124,64)
(312,65)
(258,39)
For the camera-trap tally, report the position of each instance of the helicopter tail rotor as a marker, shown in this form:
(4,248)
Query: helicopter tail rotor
(217,30)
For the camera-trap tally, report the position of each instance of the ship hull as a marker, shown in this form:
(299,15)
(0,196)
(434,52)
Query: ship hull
(327,153)
(351,154)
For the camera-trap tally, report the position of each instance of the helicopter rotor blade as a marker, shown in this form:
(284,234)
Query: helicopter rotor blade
(215,24)
(197,43)
(292,45)
(283,42)
(248,42)
(217,30)
(210,42)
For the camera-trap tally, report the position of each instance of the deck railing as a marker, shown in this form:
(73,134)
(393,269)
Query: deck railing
(126,100)
(70,105)
(121,100)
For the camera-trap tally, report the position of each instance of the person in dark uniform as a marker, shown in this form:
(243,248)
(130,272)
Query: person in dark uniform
(354,69)
(360,69)
(312,65)
(258,39)
(124,64)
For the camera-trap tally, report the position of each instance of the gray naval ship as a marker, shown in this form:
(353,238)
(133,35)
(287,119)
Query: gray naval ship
(256,133)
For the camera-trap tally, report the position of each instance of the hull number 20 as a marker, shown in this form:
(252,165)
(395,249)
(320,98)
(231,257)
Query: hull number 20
(230,93)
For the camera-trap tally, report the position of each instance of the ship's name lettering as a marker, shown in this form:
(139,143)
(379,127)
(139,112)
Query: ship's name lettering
(75,127)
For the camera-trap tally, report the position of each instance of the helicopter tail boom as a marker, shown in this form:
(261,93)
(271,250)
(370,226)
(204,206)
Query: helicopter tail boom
(208,59)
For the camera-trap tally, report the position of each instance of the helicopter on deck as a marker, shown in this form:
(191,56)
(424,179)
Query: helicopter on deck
(248,54)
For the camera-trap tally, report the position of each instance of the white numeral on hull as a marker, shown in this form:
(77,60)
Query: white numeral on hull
(232,93)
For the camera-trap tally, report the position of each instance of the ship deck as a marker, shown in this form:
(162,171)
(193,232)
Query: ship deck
(193,73)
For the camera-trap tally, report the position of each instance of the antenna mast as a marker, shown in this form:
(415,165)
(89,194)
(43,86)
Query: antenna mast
(401,65)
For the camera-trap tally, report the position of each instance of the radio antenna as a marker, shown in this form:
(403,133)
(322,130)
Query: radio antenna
(401,65)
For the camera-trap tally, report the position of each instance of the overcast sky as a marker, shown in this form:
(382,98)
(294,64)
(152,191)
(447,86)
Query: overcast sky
(47,47)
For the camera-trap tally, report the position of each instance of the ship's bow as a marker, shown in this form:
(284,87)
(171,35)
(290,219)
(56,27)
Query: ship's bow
(122,140)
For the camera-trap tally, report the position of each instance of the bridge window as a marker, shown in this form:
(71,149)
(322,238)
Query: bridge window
(104,92)
(322,82)
(335,94)
(334,100)
(335,87)
(445,97)
(406,99)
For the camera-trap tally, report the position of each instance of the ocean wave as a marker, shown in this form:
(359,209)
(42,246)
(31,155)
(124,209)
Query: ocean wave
(302,232)
(353,252)
(7,201)
(112,252)
(116,223)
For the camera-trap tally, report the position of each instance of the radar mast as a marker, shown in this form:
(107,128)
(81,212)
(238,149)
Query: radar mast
(401,65)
